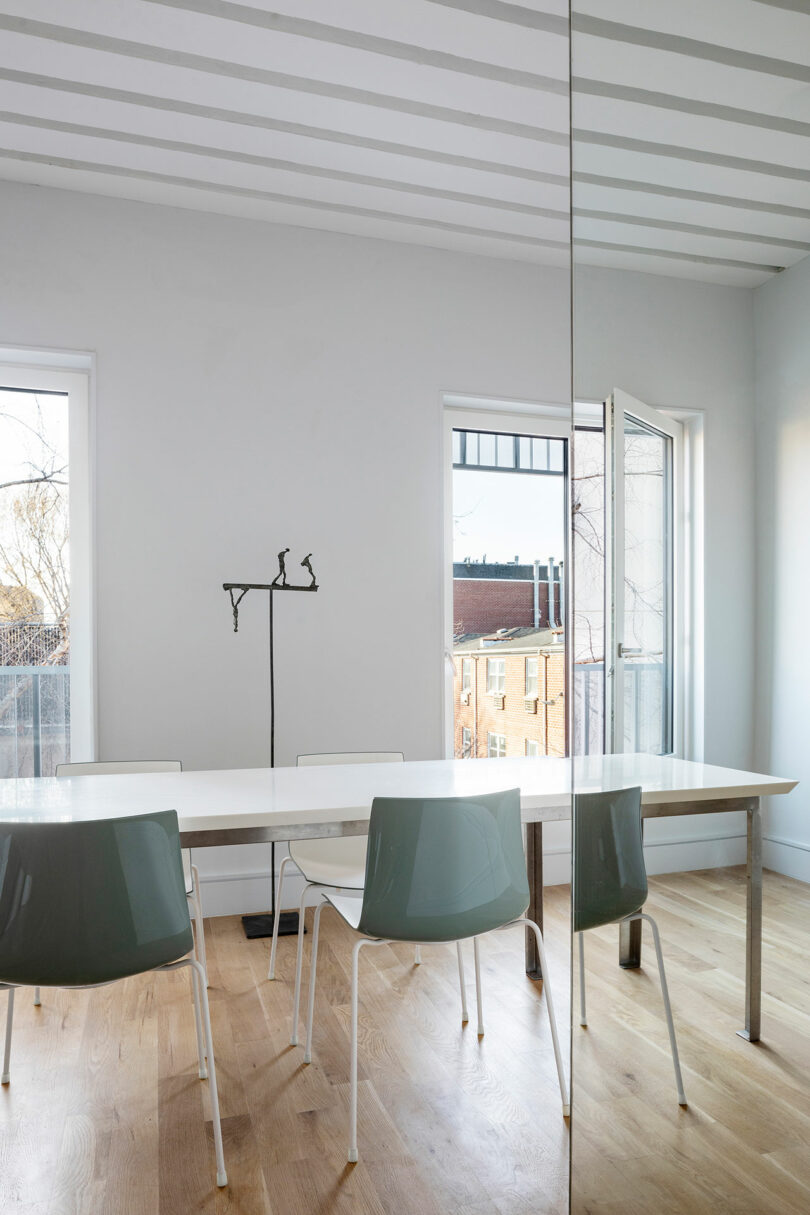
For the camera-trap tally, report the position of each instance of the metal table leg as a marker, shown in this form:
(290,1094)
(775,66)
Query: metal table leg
(753,927)
(534,864)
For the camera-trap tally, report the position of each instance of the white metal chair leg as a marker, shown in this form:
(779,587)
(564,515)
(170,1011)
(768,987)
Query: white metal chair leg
(667,1009)
(199,926)
(417,955)
(353,1066)
(583,1019)
(299,961)
(464,1014)
(478,996)
(552,1020)
(6,1076)
(37,997)
(203,1070)
(222,1176)
(313,949)
(271,974)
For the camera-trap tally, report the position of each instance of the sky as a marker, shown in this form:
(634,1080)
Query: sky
(506,515)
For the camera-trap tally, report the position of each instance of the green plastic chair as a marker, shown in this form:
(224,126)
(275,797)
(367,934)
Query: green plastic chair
(610,882)
(88,903)
(437,870)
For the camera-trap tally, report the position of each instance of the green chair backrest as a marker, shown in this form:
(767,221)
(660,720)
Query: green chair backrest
(610,878)
(89,902)
(445,868)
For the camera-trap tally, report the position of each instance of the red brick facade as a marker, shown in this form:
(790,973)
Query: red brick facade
(483,605)
(541,722)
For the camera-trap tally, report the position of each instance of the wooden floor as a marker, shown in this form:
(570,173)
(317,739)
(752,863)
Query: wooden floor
(743,1145)
(105,1114)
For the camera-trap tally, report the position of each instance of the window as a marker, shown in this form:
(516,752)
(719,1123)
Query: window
(532,747)
(496,675)
(466,742)
(466,674)
(531,678)
(46,709)
(496,746)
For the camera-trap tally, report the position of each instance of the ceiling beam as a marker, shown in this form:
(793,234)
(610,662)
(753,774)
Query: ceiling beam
(301,27)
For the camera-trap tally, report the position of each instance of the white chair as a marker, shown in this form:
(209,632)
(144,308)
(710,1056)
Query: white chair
(128,767)
(331,864)
(413,894)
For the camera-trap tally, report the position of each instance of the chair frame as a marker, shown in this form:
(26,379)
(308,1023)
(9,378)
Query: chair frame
(352,1155)
(205,1047)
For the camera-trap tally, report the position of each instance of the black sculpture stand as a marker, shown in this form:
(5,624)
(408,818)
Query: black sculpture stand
(261,925)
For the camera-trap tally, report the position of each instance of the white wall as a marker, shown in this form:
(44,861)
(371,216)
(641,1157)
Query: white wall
(258,387)
(678,344)
(782,315)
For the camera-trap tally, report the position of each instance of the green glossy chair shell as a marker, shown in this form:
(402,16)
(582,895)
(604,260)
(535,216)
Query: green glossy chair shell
(442,869)
(91,902)
(610,878)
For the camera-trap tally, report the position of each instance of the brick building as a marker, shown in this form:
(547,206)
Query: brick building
(509,694)
(488,596)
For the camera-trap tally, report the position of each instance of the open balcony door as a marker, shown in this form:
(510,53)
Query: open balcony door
(642,458)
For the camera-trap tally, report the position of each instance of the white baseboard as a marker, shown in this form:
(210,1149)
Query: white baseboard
(790,857)
(242,893)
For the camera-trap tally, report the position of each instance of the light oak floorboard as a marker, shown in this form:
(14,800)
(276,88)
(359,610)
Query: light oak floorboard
(743,1145)
(105,1113)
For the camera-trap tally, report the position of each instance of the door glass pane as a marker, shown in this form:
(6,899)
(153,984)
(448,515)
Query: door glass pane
(646,645)
(588,504)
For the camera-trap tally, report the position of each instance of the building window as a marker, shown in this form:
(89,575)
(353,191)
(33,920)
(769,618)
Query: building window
(466,674)
(532,747)
(496,675)
(496,746)
(531,677)
(466,742)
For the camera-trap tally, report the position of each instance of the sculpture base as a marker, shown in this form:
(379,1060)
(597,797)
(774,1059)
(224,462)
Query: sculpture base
(262,925)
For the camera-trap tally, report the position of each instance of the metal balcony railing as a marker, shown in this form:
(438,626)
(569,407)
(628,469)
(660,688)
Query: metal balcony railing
(34,720)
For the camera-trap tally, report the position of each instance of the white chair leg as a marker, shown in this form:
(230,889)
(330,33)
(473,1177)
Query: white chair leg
(198,922)
(299,961)
(676,1063)
(313,950)
(478,995)
(203,1070)
(271,974)
(6,1076)
(222,1176)
(353,1065)
(37,997)
(417,955)
(464,1014)
(583,1018)
(552,1020)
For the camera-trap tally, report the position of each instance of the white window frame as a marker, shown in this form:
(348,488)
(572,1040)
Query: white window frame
(496,682)
(536,660)
(71,373)
(511,416)
(466,674)
(531,742)
(497,754)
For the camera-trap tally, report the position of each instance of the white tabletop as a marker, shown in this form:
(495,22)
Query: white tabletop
(234,799)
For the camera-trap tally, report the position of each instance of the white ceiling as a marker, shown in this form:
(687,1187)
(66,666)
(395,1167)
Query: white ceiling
(438,122)
(691,123)
(427,121)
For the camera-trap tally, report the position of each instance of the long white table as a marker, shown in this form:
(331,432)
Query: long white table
(263,805)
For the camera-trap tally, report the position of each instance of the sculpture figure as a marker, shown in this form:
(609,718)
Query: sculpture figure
(308,566)
(282,569)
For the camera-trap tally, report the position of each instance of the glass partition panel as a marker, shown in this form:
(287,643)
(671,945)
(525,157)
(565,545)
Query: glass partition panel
(691,228)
